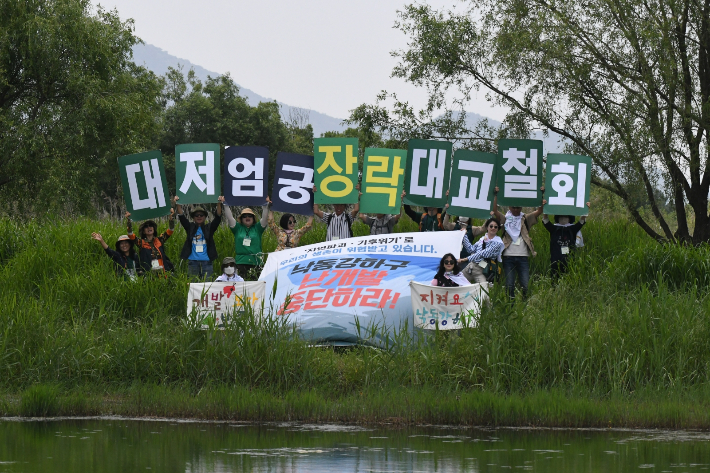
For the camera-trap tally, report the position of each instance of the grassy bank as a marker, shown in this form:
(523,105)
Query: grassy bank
(623,338)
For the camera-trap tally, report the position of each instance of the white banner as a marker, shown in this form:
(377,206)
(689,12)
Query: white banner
(216,303)
(329,285)
(448,307)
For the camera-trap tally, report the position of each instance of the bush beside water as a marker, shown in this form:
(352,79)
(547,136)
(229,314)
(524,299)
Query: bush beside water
(629,322)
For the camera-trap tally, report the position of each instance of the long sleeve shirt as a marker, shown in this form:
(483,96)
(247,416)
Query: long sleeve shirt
(477,253)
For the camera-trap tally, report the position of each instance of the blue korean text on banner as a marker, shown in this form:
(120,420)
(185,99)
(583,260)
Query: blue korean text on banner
(292,190)
(246,175)
(323,288)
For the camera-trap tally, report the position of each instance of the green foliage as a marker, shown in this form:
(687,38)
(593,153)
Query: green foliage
(40,400)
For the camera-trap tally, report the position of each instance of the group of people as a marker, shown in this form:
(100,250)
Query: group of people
(487,259)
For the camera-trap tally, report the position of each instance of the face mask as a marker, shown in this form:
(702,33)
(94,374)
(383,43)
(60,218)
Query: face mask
(229,270)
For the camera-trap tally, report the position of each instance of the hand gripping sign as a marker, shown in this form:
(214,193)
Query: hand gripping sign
(197,173)
(519,172)
(382,181)
(145,189)
(472,184)
(336,170)
(246,172)
(293,184)
(427,175)
(567,181)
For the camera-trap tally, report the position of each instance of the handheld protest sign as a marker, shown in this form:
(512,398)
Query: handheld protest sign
(197,179)
(292,190)
(336,170)
(519,172)
(472,184)
(426,178)
(382,181)
(246,172)
(145,189)
(567,181)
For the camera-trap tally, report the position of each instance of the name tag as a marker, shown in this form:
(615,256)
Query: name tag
(517,241)
(483,264)
(246,242)
(199,248)
(155,264)
(565,250)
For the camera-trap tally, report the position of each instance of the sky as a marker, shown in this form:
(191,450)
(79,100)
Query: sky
(325,55)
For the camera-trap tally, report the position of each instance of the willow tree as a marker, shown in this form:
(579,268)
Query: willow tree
(626,82)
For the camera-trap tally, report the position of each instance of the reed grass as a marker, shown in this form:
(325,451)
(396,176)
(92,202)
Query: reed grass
(627,326)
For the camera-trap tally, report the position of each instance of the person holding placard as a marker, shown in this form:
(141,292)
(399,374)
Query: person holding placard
(339,222)
(432,220)
(518,244)
(287,236)
(151,248)
(563,240)
(381,224)
(247,237)
(448,274)
(484,258)
(199,248)
(125,257)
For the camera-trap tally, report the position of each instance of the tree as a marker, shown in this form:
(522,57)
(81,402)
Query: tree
(71,100)
(626,82)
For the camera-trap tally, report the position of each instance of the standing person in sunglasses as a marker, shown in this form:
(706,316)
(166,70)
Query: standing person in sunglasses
(287,236)
(484,256)
(448,274)
(199,248)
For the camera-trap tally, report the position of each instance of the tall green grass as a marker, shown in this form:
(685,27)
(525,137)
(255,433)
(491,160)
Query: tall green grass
(630,317)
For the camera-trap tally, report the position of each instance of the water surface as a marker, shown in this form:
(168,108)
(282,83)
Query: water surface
(124,445)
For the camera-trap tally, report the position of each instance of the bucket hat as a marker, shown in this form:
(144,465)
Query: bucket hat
(198,210)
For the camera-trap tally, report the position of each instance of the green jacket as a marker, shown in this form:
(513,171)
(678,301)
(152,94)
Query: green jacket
(247,254)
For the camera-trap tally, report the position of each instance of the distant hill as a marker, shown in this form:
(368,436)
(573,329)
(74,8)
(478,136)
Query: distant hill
(158,61)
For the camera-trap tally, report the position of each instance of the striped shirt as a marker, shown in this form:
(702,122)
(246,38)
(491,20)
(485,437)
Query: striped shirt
(493,249)
(339,225)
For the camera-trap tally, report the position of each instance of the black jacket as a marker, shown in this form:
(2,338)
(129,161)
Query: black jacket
(208,232)
(123,262)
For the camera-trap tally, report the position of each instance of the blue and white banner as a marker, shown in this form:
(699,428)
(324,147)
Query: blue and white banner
(324,288)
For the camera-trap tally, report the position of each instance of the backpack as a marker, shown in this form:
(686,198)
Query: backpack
(425,215)
(330,219)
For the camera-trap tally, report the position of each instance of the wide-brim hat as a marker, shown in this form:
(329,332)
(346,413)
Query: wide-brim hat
(247,211)
(120,239)
(463,219)
(148,223)
(198,210)
(228,260)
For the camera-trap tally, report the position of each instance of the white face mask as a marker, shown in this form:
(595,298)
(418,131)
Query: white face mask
(229,270)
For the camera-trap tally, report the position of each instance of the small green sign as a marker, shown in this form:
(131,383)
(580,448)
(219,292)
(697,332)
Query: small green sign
(427,174)
(145,189)
(472,184)
(567,182)
(197,173)
(519,172)
(336,170)
(382,181)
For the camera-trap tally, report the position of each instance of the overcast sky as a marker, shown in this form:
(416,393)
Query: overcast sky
(326,55)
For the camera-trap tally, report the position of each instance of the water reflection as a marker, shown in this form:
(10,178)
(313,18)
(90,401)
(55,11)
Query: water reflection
(121,445)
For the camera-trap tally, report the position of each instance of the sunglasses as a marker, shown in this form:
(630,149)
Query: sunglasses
(449,261)
(292,221)
(492,226)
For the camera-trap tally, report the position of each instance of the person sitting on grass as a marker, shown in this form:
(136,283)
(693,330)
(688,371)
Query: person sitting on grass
(448,274)
(339,222)
(229,271)
(563,240)
(199,249)
(151,248)
(124,257)
(484,256)
(247,238)
(287,236)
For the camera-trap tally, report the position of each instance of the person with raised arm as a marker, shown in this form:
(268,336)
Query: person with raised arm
(124,257)
(339,222)
(247,237)
(432,220)
(484,256)
(448,274)
(287,235)
(151,248)
(563,240)
(518,244)
(199,248)
(381,224)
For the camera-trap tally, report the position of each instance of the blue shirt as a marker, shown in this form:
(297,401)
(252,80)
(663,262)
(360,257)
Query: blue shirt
(199,243)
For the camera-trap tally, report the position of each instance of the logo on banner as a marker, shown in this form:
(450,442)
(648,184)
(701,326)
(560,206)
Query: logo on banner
(144,185)
(246,175)
(472,183)
(197,173)
(567,184)
(427,174)
(382,181)
(520,167)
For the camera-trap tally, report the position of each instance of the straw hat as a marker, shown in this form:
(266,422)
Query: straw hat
(247,211)
(120,239)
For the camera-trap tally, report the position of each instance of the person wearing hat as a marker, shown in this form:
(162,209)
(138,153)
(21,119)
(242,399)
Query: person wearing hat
(229,271)
(247,237)
(151,248)
(563,240)
(125,257)
(199,249)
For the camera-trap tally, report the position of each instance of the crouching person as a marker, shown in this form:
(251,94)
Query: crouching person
(229,271)
(124,257)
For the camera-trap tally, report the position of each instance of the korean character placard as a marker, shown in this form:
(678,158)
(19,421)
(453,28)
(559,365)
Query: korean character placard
(426,177)
(246,175)
(519,172)
(336,170)
(145,188)
(197,178)
(472,184)
(292,190)
(567,181)
(382,181)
